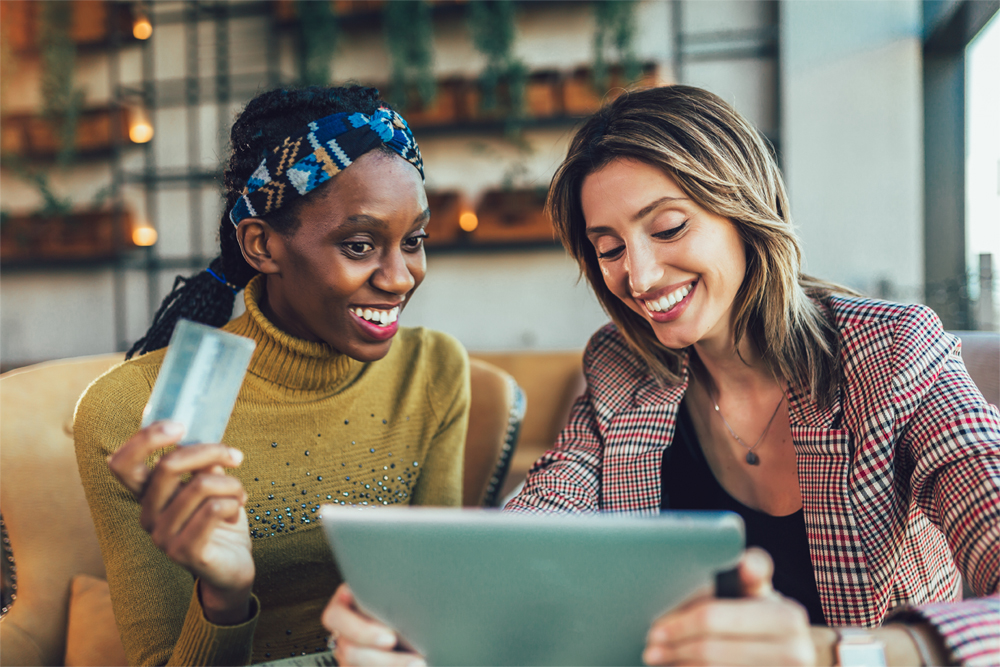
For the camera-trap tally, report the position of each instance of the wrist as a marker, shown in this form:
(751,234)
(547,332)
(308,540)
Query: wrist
(901,647)
(224,606)
(825,641)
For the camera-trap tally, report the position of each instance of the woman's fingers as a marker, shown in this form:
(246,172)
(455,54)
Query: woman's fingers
(345,622)
(755,570)
(188,544)
(753,617)
(715,630)
(187,501)
(725,651)
(166,478)
(348,653)
(129,463)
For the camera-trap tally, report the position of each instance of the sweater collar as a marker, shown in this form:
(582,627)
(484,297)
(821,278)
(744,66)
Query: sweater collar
(287,361)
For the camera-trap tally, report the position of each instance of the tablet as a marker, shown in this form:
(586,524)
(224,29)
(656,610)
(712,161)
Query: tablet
(481,587)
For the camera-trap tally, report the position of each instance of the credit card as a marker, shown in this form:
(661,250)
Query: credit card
(199,381)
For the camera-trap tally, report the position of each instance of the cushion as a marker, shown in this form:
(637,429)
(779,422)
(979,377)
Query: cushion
(92,636)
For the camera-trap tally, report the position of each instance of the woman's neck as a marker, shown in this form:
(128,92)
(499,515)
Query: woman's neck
(732,368)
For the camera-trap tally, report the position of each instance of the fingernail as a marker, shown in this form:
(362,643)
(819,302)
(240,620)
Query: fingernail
(109,457)
(236,455)
(417,663)
(651,655)
(386,639)
(171,428)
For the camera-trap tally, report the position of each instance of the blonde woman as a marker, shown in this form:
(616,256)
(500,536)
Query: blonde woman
(845,431)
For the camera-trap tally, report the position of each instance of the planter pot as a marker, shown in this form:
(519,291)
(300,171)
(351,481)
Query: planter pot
(579,96)
(76,236)
(513,216)
(446,207)
(543,95)
(441,111)
(13,138)
(34,136)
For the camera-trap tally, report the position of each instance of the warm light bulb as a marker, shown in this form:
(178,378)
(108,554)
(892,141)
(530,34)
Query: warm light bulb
(144,236)
(468,221)
(142,28)
(140,132)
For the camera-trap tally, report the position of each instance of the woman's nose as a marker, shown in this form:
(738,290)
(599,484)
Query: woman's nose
(394,275)
(644,272)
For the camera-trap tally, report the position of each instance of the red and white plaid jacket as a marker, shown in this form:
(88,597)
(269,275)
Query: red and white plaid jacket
(900,478)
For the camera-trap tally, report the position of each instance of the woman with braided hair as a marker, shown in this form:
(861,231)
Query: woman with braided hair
(213,552)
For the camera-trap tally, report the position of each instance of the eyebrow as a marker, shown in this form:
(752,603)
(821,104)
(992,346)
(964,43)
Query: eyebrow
(642,213)
(371,222)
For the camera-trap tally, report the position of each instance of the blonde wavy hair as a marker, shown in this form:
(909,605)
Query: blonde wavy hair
(721,162)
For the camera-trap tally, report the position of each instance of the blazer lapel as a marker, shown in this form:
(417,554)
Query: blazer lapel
(635,440)
(823,453)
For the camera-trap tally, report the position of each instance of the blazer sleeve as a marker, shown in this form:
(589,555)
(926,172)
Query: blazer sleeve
(568,477)
(952,441)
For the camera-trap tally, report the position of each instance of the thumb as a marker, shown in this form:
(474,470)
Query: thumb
(755,571)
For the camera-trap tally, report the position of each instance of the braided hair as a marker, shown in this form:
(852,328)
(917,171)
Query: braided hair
(208,297)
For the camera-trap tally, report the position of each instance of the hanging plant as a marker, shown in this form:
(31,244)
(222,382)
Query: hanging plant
(409,36)
(318,36)
(615,34)
(61,102)
(492,25)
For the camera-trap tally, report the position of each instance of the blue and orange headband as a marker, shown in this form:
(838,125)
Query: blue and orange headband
(320,151)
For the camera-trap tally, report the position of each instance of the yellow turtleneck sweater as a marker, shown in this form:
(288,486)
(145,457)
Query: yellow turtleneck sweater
(315,427)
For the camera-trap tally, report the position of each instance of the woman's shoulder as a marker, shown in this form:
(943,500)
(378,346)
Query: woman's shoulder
(906,341)
(124,384)
(853,311)
(439,355)
(419,340)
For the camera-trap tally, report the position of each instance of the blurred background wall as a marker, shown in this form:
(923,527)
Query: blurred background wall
(115,119)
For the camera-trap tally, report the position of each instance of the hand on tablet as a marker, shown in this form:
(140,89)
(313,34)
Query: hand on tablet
(201,523)
(357,639)
(761,628)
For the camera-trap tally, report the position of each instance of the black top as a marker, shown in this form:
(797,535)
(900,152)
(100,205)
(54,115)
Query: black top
(687,483)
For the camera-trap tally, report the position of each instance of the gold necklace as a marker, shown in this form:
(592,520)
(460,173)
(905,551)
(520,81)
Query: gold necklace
(751,456)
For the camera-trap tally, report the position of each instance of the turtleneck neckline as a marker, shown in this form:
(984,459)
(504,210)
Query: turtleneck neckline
(292,363)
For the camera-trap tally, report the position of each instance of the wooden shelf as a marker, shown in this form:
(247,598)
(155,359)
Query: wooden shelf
(92,21)
(35,137)
(78,236)
(552,97)
(506,218)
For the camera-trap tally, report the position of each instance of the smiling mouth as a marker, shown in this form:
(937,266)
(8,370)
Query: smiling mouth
(378,317)
(668,301)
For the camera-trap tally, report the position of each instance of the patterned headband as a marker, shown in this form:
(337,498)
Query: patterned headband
(320,151)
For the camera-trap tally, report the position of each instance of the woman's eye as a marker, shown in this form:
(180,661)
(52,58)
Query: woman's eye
(610,254)
(358,247)
(672,232)
(415,242)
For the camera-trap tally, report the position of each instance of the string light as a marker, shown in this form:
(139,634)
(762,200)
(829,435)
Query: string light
(141,27)
(468,221)
(140,128)
(144,236)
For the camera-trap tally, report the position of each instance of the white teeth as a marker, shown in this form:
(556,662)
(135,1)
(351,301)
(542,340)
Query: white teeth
(665,303)
(380,317)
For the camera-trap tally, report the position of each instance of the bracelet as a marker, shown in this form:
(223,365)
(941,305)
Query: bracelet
(925,656)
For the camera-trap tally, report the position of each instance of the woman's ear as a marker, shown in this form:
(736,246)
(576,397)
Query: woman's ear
(261,245)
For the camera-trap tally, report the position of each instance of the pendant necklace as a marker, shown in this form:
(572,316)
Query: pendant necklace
(751,457)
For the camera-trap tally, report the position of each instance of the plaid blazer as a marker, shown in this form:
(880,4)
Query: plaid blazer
(900,477)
